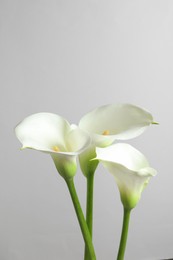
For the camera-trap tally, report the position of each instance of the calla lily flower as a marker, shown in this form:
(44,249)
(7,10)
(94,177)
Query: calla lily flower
(130,169)
(109,123)
(115,122)
(52,134)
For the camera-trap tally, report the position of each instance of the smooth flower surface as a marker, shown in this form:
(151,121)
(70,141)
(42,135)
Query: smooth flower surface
(115,122)
(130,169)
(52,134)
(109,123)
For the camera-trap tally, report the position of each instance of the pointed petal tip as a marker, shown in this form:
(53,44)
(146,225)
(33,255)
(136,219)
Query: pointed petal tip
(22,148)
(25,147)
(155,123)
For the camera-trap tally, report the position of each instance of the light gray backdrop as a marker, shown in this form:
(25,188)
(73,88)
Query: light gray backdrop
(68,57)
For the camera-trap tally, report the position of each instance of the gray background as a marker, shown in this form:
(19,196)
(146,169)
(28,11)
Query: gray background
(68,57)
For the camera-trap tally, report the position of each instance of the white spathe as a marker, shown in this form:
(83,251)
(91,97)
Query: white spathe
(109,123)
(52,134)
(130,169)
(115,122)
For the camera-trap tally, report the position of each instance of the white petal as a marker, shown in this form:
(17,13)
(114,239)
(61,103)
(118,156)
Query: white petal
(43,131)
(147,170)
(130,169)
(123,121)
(52,134)
(123,154)
(77,140)
(103,140)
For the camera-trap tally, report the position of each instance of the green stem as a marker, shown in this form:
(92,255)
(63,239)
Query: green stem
(124,234)
(89,208)
(81,219)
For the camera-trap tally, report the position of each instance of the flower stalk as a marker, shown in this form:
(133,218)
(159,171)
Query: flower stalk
(81,219)
(89,208)
(124,234)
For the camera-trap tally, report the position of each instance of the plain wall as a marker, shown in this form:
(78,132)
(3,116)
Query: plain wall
(68,57)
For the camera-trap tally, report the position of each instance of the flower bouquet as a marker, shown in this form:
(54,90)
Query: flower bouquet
(94,140)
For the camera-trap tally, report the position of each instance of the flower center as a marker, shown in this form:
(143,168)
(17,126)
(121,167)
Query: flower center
(106,132)
(55,148)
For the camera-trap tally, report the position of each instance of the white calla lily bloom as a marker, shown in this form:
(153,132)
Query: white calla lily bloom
(130,169)
(115,122)
(52,134)
(108,123)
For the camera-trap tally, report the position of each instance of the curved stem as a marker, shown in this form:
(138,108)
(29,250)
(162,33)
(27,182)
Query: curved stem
(124,234)
(81,219)
(89,208)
